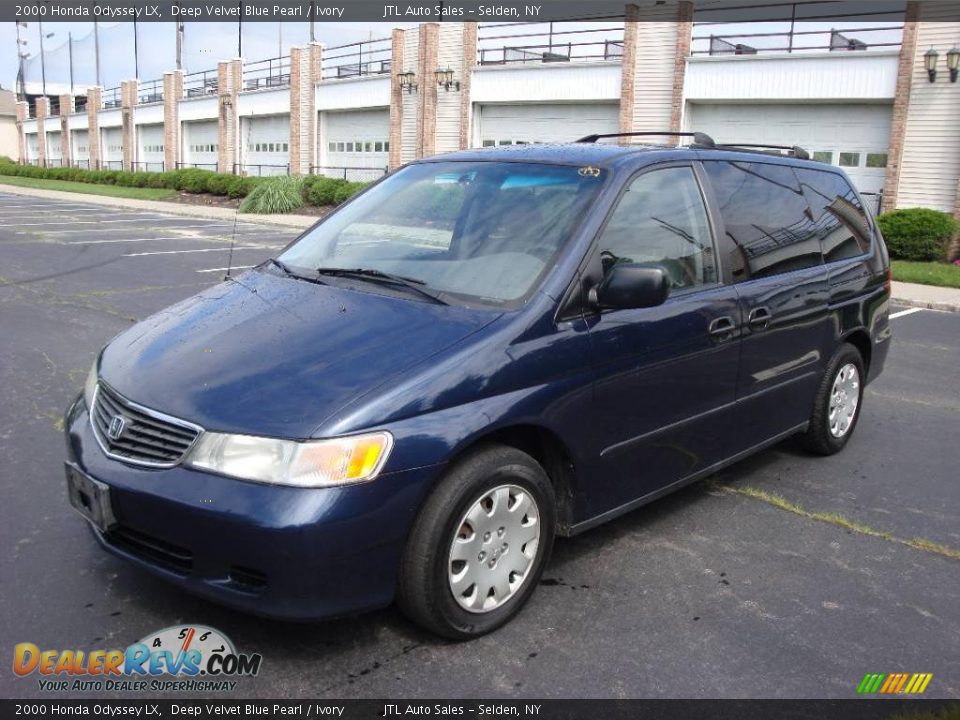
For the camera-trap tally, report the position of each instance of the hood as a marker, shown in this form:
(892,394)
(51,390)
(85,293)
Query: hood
(267,354)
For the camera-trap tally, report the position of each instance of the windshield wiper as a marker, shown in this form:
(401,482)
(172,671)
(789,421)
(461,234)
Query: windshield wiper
(379,276)
(287,270)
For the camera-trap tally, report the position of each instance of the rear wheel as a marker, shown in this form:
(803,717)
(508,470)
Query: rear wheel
(479,545)
(836,407)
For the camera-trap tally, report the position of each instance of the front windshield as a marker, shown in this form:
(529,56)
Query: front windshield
(483,231)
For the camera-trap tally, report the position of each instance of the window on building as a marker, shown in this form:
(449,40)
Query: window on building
(765,215)
(671,229)
(378,147)
(849,159)
(331,147)
(341,147)
(349,147)
(876,160)
(286,147)
(489,143)
(824,156)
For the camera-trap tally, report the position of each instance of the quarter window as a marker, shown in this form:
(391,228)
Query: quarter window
(661,219)
(838,217)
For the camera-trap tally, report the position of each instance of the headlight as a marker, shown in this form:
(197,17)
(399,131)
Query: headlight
(91,384)
(319,463)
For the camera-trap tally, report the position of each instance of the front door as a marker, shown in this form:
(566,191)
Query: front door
(666,375)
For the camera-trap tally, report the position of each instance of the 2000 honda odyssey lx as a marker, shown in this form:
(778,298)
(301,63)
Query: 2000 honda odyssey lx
(479,352)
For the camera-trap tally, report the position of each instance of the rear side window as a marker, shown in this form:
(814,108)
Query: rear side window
(765,215)
(838,216)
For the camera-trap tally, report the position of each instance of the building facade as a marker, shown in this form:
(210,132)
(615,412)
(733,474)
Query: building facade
(863,100)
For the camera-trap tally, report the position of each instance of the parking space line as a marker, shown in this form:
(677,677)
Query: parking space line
(224,269)
(202,250)
(209,238)
(908,311)
(254,228)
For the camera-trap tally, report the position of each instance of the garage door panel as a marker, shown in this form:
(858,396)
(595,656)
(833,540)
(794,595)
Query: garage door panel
(150,147)
(201,143)
(266,145)
(356,144)
(544,123)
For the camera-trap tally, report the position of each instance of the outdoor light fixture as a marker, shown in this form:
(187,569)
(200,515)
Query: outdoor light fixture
(408,80)
(445,79)
(953,62)
(930,61)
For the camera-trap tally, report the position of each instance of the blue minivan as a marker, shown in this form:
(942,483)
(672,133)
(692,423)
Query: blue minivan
(481,351)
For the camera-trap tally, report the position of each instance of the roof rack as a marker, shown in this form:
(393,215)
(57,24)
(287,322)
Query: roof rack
(794,150)
(699,138)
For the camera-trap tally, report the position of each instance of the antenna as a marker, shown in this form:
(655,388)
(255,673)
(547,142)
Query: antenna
(233,240)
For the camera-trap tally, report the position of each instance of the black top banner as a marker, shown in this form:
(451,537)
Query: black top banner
(397,12)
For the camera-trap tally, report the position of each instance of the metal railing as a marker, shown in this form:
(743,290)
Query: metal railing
(80,104)
(111,98)
(148,166)
(53,162)
(370,57)
(112,164)
(269,73)
(81,164)
(150,92)
(200,83)
(261,169)
(876,198)
(551,42)
(796,27)
(356,174)
(200,166)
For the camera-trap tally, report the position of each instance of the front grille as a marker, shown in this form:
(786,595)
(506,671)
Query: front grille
(153,550)
(145,437)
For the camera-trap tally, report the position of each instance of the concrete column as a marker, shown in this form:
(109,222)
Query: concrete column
(23,112)
(66,147)
(43,109)
(467,63)
(94,105)
(229,77)
(172,94)
(129,95)
(397,65)
(901,104)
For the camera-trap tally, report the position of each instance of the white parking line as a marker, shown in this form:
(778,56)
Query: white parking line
(181,252)
(224,269)
(909,311)
(161,227)
(209,238)
(82,222)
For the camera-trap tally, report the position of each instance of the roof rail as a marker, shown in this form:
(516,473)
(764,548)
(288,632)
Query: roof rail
(698,137)
(794,150)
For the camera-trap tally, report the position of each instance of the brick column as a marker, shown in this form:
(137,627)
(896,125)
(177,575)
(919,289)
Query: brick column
(172,93)
(395,158)
(627,63)
(66,147)
(684,39)
(23,111)
(129,91)
(901,104)
(43,109)
(94,104)
(468,63)
(305,64)
(229,76)
(427,111)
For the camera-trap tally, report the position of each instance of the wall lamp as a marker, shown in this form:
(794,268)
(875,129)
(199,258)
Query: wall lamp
(930,58)
(445,79)
(953,62)
(408,81)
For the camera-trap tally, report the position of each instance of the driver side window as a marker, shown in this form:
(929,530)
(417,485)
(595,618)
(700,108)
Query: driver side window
(661,219)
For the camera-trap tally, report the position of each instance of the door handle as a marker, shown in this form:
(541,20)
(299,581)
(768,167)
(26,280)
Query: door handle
(759,318)
(722,328)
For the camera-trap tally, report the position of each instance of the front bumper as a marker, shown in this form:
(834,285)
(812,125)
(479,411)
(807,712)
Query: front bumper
(282,552)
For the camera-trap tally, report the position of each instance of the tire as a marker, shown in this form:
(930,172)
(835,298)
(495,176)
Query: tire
(827,435)
(431,565)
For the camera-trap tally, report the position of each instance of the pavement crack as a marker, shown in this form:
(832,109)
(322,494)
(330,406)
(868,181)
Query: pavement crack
(780,502)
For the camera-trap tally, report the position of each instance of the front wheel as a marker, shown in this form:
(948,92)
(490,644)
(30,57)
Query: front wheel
(836,407)
(479,545)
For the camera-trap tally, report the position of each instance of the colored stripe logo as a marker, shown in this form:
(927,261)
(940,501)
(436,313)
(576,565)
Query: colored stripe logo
(894,683)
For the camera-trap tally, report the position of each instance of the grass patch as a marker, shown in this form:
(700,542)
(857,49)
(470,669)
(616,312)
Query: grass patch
(778,501)
(927,273)
(89,188)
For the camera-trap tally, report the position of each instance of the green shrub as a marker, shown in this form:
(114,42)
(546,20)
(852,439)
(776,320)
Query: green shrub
(274,195)
(347,191)
(918,233)
(219,184)
(322,191)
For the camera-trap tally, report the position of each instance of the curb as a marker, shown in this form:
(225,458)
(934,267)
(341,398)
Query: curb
(196,211)
(941,306)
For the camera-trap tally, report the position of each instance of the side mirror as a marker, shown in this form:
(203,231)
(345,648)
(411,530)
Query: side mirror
(632,285)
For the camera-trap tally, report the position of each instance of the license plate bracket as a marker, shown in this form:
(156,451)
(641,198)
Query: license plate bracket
(90,497)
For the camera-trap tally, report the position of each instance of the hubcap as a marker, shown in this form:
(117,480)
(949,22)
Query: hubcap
(494,548)
(844,399)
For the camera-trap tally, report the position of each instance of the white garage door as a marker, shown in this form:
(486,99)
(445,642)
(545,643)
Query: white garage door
(201,144)
(54,148)
(855,137)
(81,147)
(112,144)
(33,152)
(355,144)
(150,150)
(513,124)
(266,145)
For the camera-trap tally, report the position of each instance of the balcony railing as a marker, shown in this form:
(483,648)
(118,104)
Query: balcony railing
(200,84)
(796,28)
(594,39)
(111,98)
(370,57)
(269,73)
(150,91)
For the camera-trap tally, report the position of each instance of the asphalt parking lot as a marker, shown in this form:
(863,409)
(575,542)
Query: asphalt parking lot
(717,591)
